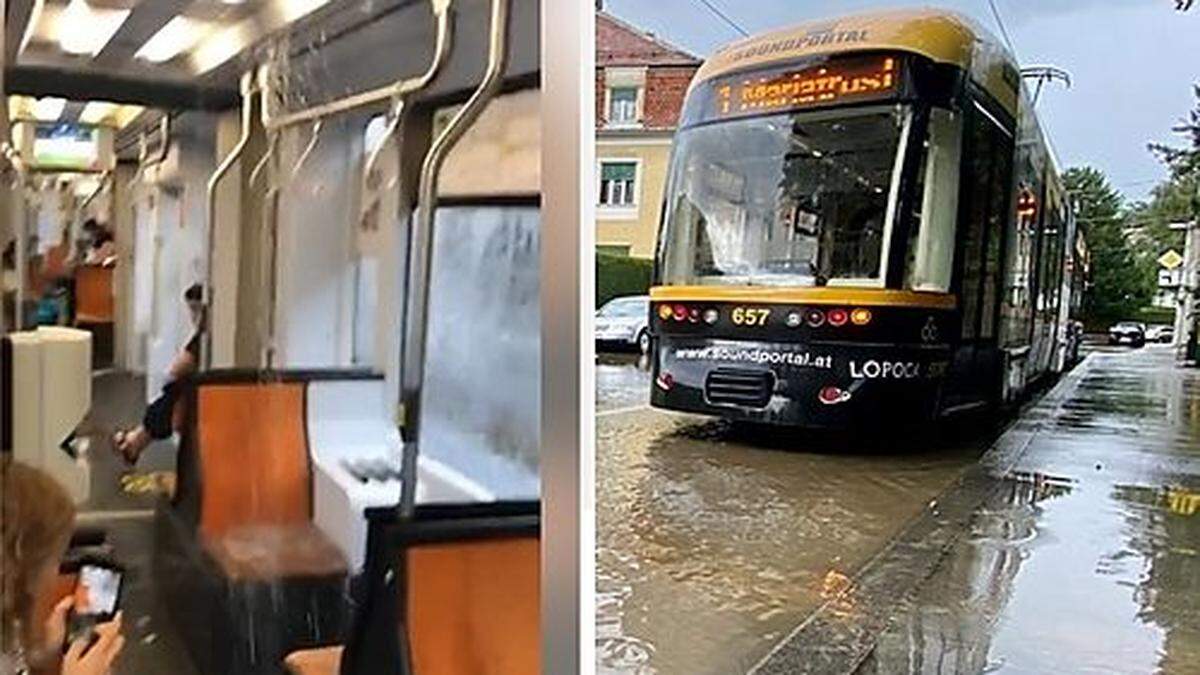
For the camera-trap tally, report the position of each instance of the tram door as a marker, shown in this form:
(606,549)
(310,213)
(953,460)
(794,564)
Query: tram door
(984,203)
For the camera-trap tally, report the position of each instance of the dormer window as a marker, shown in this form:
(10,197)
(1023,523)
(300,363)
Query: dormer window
(623,106)
(624,89)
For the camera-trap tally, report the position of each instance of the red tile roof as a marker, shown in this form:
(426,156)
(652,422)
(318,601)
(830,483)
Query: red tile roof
(621,44)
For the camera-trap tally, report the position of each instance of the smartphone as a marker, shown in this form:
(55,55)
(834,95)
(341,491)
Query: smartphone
(97,598)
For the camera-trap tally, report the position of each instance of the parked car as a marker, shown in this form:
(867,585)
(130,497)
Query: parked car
(1127,332)
(624,322)
(1160,333)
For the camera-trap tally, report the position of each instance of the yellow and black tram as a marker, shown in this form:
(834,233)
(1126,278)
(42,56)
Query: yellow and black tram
(862,221)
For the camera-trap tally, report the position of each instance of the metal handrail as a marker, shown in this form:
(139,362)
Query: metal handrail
(87,201)
(247,88)
(312,144)
(394,124)
(416,325)
(442,16)
(164,128)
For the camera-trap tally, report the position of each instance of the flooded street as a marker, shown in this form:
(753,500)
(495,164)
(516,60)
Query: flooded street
(713,542)
(1085,556)
(720,550)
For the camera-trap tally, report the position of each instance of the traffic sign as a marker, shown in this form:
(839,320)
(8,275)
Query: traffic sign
(1170,259)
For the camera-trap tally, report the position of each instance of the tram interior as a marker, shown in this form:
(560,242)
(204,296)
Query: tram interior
(254,157)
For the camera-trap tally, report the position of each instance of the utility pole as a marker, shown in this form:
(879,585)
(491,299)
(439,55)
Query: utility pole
(1185,303)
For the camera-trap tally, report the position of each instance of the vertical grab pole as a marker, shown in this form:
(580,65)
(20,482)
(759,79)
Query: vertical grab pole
(247,87)
(412,355)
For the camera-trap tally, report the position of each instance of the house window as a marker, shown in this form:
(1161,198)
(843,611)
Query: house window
(622,105)
(617,181)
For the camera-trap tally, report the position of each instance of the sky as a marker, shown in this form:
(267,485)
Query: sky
(1132,64)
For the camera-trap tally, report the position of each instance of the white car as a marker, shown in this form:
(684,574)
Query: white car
(1160,333)
(625,322)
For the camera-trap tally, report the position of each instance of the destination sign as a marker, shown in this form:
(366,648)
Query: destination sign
(846,80)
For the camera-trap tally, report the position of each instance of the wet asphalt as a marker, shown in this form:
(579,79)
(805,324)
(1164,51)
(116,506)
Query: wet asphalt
(1070,548)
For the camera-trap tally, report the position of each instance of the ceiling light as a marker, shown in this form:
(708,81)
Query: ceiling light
(83,29)
(96,112)
(221,45)
(35,16)
(179,35)
(49,109)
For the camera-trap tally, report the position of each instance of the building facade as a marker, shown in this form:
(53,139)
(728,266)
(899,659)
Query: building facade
(641,82)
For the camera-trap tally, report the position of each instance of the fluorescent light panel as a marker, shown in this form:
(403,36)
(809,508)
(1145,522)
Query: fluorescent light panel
(96,112)
(179,35)
(222,45)
(49,108)
(84,30)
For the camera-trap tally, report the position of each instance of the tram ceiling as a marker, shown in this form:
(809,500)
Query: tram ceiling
(189,54)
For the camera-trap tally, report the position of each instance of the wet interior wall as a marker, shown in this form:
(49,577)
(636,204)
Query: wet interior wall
(249,256)
(8,196)
(223,311)
(127,352)
(318,266)
(174,200)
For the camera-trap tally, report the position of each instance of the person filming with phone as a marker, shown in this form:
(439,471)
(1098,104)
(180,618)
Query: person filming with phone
(36,523)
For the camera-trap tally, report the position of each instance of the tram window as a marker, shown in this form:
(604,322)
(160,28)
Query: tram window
(931,247)
(997,210)
(978,189)
(797,199)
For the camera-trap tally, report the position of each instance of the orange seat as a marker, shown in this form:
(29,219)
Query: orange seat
(267,552)
(94,294)
(255,500)
(473,607)
(322,661)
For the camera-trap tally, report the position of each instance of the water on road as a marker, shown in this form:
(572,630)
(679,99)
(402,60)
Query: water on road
(714,541)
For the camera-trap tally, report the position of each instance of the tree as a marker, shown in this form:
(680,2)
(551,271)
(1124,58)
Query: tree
(1170,202)
(1185,162)
(1122,275)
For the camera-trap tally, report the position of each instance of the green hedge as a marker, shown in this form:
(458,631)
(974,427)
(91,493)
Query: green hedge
(618,275)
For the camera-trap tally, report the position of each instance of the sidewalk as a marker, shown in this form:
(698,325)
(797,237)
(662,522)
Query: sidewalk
(1074,547)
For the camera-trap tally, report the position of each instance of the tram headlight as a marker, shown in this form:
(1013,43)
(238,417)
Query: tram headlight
(814,317)
(664,311)
(694,315)
(680,313)
(860,316)
(794,319)
(837,317)
(711,316)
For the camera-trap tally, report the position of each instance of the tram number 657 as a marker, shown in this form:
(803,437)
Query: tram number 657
(748,316)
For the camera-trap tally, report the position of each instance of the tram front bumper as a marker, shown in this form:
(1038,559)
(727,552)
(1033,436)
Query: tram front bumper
(831,385)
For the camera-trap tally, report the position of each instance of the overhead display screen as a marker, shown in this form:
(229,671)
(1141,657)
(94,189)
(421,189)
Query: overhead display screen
(845,80)
(67,147)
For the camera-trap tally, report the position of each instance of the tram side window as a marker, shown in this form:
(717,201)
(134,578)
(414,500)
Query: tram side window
(998,208)
(931,246)
(979,171)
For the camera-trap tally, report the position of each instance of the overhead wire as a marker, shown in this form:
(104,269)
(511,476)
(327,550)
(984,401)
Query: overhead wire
(1003,29)
(724,17)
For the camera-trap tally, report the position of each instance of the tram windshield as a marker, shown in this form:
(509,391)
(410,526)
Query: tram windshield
(795,199)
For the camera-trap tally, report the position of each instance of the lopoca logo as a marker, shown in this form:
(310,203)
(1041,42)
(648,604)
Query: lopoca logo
(885,370)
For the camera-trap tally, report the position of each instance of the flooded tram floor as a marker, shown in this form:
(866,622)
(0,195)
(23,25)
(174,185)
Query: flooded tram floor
(121,504)
(713,542)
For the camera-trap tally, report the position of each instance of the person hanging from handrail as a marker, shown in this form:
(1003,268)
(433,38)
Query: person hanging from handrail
(160,420)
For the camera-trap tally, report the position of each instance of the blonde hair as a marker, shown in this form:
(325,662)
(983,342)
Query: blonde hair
(35,523)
